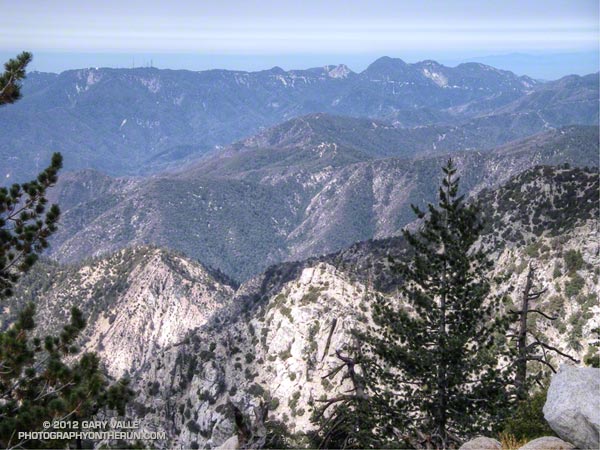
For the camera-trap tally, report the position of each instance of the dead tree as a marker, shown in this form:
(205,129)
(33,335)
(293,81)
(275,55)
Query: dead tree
(250,432)
(344,420)
(529,352)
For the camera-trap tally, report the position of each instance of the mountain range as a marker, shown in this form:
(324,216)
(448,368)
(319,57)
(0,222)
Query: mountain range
(310,186)
(141,121)
(272,339)
(224,232)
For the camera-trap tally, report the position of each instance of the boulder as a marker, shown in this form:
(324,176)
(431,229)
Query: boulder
(481,443)
(230,444)
(572,406)
(547,443)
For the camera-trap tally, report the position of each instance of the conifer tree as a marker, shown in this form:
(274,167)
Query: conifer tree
(438,349)
(14,72)
(37,385)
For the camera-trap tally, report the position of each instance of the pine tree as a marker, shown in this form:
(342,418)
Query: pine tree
(36,384)
(25,225)
(24,228)
(14,72)
(439,349)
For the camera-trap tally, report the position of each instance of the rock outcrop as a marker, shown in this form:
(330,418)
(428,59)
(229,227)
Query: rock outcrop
(137,302)
(572,407)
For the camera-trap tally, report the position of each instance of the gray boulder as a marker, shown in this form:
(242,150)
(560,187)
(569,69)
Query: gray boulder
(547,443)
(481,443)
(572,407)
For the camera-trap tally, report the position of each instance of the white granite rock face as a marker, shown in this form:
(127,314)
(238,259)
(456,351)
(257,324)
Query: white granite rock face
(572,407)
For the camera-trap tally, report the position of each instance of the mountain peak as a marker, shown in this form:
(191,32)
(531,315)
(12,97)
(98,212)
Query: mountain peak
(389,68)
(386,62)
(277,70)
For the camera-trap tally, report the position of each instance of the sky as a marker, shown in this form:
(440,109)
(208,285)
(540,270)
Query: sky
(258,34)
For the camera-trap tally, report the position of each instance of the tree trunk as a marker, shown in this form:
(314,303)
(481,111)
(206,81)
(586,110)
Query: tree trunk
(521,372)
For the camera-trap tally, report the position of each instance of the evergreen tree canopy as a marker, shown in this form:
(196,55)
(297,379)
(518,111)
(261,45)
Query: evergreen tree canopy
(36,384)
(25,225)
(14,72)
(438,349)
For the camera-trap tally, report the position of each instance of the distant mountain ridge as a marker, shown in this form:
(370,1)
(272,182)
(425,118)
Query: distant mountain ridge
(245,210)
(140,121)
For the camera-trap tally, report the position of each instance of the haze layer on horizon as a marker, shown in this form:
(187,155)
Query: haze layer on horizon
(544,39)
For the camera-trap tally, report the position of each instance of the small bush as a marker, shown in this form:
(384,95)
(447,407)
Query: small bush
(286,354)
(592,358)
(256,390)
(527,420)
(509,442)
(293,402)
(574,285)
(193,426)
(557,270)
(573,261)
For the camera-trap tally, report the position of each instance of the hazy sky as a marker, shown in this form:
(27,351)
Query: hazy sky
(301,30)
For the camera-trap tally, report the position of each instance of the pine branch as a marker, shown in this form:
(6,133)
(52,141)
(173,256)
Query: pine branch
(542,313)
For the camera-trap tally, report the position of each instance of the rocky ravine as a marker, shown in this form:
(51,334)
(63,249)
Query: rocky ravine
(137,302)
(274,339)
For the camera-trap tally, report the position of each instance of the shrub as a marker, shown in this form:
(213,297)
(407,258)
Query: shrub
(293,402)
(256,390)
(510,442)
(557,270)
(206,355)
(573,260)
(287,312)
(286,354)
(154,388)
(273,404)
(592,357)
(574,285)
(193,426)
(527,420)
